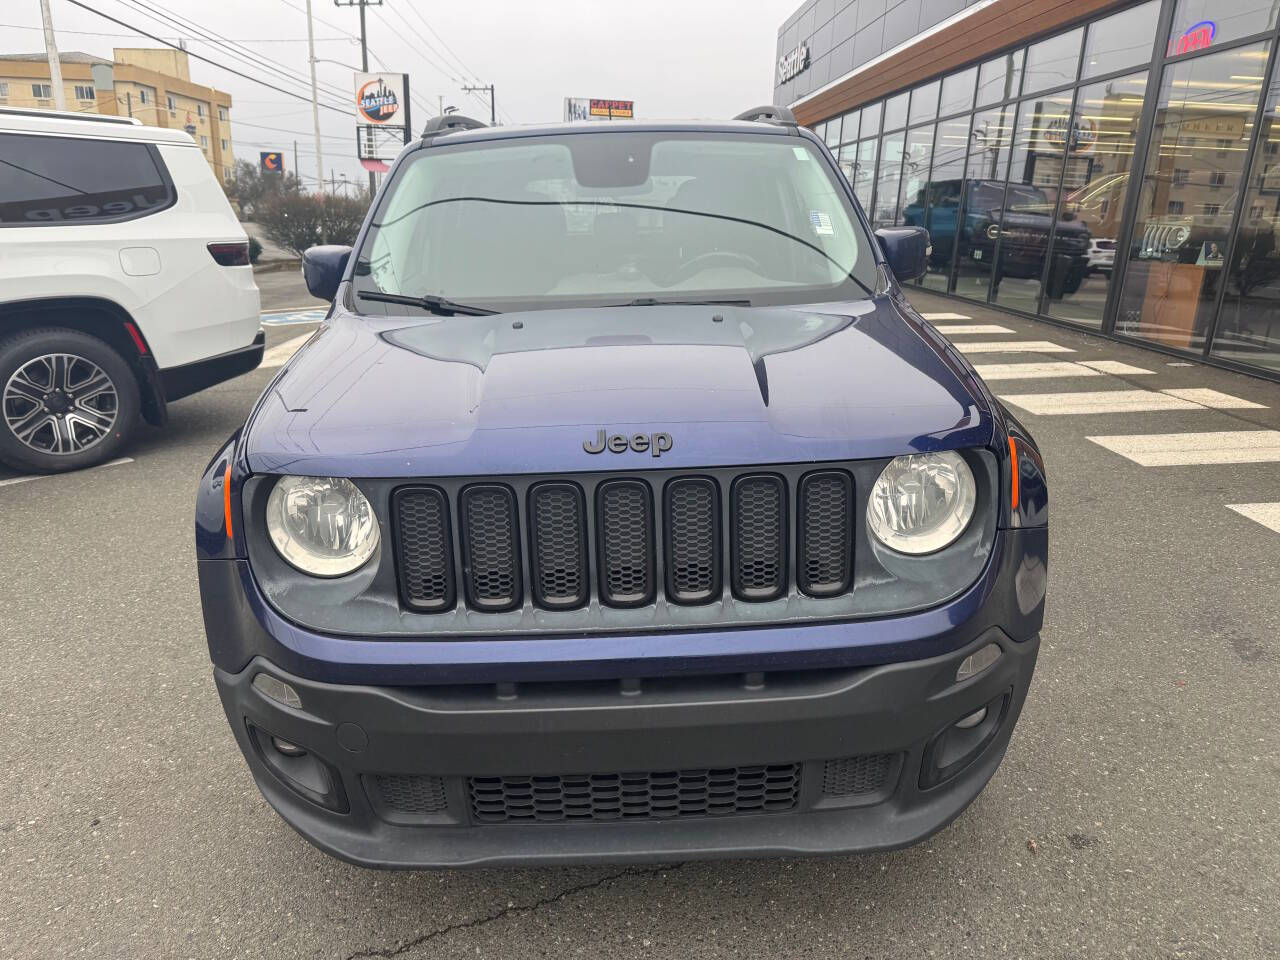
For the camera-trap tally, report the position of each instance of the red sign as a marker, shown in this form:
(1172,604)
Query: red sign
(1198,36)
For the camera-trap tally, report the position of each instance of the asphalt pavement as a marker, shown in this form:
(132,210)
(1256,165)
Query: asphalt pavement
(1135,815)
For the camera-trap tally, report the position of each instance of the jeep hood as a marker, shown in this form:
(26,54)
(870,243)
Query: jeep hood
(522,392)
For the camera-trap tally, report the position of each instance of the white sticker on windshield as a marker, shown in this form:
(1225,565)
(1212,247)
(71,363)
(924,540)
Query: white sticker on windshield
(821,223)
(801,153)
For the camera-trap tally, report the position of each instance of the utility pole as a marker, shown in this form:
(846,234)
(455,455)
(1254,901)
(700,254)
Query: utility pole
(315,103)
(440,105)
(297,170)
(493,114)
(51,50)
(364,60)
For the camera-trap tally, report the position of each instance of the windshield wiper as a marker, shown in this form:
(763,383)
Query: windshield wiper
(428,302)
(655,302)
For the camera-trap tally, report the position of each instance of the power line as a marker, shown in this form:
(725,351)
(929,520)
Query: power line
(215,39)
(201,57)
(129,36)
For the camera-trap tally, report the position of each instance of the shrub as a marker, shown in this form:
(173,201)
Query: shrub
(296,221)
(255,249)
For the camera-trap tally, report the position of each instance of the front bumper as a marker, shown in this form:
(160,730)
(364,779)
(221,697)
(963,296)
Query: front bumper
(405,770)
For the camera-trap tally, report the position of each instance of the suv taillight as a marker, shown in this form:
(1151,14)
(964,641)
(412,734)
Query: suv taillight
(231,254)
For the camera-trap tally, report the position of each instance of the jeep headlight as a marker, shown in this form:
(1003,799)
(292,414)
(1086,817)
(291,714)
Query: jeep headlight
(324,526)
(922,502)
(1178,237)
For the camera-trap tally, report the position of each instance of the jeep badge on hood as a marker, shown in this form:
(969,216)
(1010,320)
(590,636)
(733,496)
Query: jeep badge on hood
(656,443)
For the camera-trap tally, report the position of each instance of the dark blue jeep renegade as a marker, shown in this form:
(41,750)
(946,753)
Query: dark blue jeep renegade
(622,509)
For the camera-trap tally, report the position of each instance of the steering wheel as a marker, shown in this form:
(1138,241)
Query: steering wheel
(727,257)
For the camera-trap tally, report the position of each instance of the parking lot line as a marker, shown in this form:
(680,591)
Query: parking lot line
(1012,346)
(1215,399)
(281,353)
(1097,401)
(945,316)
(1267,514)
(958,329)
(1189,449)
(1033,371)
(49,476)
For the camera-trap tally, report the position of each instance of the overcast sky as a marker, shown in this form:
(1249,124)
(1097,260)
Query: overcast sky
(674,58)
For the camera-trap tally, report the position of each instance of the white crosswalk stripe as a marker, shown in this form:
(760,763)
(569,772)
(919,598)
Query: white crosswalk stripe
(1097,401)
(1215,399)
(931,317)
(1189,449)
(1033,371)
(1012,346)
(1125,401)
(281,353)
(963,329)
(1267,514)
(1116,367)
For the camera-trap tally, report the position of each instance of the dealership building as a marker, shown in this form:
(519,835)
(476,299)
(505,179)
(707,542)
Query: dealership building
(1110,166)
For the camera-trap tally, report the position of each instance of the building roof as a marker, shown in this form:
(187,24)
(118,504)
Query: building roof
(71,56)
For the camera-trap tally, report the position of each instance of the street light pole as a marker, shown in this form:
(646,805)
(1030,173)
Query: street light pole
(51,50)
(315,102)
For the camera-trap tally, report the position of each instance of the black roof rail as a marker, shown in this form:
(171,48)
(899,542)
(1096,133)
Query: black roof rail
(70,115)
(769,113)
(449,123)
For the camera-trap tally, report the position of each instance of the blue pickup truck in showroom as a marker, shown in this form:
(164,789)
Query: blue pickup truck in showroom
(622,509)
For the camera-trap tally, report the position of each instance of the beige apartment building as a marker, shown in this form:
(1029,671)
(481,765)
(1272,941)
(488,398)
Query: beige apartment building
(153,85)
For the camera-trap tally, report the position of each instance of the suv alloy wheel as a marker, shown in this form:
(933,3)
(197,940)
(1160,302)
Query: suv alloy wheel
(67,400)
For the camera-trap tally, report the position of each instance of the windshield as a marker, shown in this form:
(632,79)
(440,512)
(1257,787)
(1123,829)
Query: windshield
(595,218)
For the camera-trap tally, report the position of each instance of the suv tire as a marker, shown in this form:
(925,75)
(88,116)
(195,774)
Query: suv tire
(67,400)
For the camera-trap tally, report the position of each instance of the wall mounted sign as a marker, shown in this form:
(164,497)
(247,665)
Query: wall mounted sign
(791,65)
(1198,36)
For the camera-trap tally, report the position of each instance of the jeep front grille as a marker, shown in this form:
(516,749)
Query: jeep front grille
(625,541)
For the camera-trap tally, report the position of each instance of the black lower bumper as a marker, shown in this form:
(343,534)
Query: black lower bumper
(182,381)
(815,762)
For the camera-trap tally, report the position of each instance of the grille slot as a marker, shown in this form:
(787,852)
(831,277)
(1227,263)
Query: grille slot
(855,776)
(490,548)
(426,548)
(558,545)
(692,525)
(626,543)
(824,565)
(660,795)
(411,794)
(759,537)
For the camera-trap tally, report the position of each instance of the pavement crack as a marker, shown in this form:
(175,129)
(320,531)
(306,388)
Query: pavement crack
(513,910)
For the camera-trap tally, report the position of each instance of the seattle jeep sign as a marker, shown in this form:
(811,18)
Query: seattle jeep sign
(794,63)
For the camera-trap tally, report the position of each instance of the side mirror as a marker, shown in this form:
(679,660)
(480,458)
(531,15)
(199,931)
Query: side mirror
(323,267)
(907,250)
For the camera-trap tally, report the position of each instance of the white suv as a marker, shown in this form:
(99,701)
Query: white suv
(124,284)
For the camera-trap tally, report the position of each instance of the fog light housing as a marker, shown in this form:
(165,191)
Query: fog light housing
(299,770)
(960,744)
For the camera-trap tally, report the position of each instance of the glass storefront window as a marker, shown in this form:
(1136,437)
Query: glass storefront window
(942,208)
(1104,136)
(957,92)
(1249,325)
(917,158)
(1190,188)
(1121,40)
(1203,24)
(924,103)
(849,131)
(864,173)
(831,136)
(982,196)
(1026,215)
(892,148)
(871,120)
(1000,79)
(895,111)
(1053,62)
